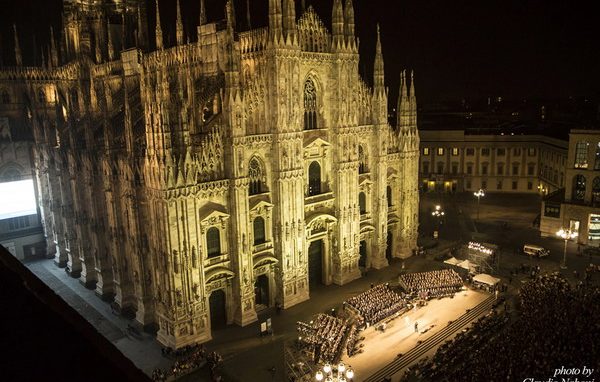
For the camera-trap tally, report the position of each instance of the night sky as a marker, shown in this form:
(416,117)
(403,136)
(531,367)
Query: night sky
(458,49)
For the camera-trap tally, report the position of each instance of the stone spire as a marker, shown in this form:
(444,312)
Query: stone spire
(337,19)
(97,50)
(43,54)
(230,16)
(402,112)
(18,56)
(202,13)
(159,35)
(231,54)
(412,101)
(141,30)
(111,46)
(349,21)
(289,17)
(275,17)
(378,75)
(53,52)
(248,20)
(179,26)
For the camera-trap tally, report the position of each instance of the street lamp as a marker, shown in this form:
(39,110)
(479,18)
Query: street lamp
(438,214)
(566,235)
(331,374)
(478,194)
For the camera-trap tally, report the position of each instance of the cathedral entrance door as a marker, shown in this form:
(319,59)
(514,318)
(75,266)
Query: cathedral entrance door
(218,312)
(315,263)
(362,261)
(388,248)
(261,291)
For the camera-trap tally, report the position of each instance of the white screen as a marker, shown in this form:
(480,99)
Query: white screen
(17,199)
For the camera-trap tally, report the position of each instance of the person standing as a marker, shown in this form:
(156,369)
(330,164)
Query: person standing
(416,326)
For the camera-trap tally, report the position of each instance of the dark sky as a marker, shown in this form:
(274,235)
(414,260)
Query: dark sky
(472,48)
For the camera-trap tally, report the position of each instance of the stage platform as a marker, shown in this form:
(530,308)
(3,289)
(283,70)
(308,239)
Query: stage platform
(381,348)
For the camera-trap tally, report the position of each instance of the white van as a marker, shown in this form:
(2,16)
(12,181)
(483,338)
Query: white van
(535,250)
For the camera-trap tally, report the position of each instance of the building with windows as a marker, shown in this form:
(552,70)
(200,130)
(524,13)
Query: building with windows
(21,230)
(197,182)
(454,160)
(577,206)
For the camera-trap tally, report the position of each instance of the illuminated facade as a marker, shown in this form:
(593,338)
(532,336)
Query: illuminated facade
(199,182)
(577,206)
(455,161)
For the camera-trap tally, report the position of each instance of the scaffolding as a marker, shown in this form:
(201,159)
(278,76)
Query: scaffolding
(483,255)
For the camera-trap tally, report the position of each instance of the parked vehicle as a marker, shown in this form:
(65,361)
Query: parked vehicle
(535,250)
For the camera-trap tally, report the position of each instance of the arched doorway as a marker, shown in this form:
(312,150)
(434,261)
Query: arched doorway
(218,309)
(388,248)
(362,261)
(261,291)
(315,263)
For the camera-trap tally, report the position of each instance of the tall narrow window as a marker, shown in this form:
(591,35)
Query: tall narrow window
(389,196)
(213,242)
(256,177)
(310,105)
(362,161)
(581,151)
(259,230)
(578,188)
(314,179)
(362,203)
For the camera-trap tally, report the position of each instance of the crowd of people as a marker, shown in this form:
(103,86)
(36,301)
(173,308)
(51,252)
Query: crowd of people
(325,335)
(377,303)
(439,283)
(353,345)
(192,358)
(556,324)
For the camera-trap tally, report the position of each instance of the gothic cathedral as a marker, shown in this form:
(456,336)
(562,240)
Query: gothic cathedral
(200,179)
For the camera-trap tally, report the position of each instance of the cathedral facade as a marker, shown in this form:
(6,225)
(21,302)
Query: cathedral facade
(196,182)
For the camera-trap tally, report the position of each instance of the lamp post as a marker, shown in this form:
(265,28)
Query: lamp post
(437,214)
(478,194)
(566,235)
(339,374)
